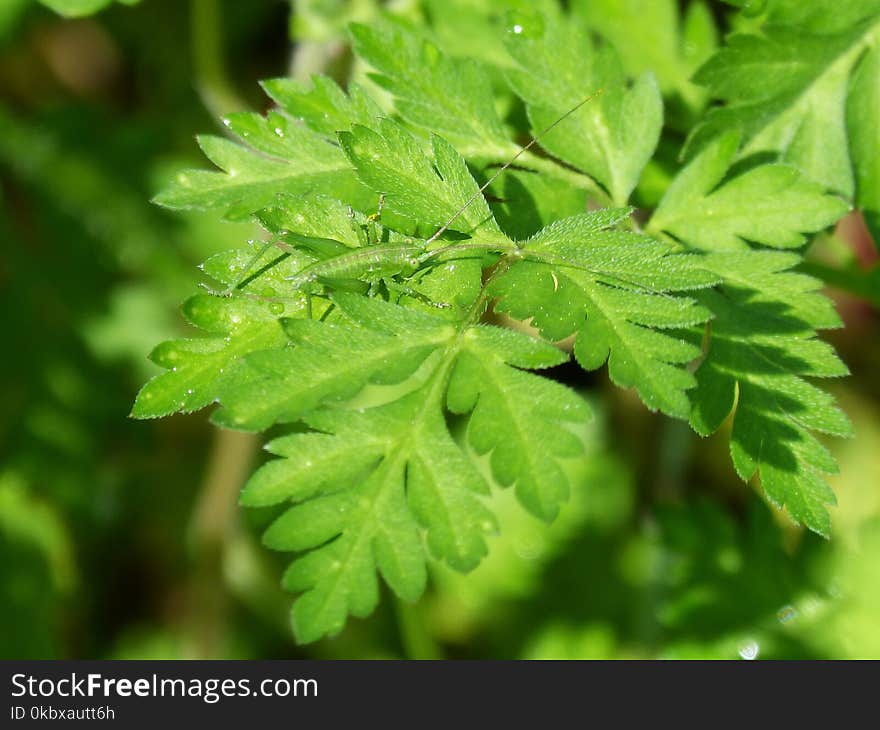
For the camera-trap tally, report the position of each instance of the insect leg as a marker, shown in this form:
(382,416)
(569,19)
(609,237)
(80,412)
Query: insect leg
(408,291)
(373,219)
(247,269)
(245,274)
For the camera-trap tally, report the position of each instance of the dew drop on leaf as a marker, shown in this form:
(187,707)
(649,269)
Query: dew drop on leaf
(525,25)
(276,307)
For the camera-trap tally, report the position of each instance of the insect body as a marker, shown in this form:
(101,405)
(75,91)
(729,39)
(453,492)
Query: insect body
(382,266)
(374,262)
(371,266)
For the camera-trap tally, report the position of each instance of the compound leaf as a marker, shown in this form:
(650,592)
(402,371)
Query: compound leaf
(365,482)
(614,135)
(789,91)
(449,96)
(611,289)
(769,204)
(196,368)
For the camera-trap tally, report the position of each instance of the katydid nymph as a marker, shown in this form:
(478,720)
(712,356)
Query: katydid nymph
(392,267)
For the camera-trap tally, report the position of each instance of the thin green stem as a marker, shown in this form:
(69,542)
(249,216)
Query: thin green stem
(213,527)
(415,638)
(211,78)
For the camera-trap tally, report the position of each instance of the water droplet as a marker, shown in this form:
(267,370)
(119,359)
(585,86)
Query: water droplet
(279,131)
(786,613)
(749,650)
(525,25)
(226,122)
(276,307)
(189,391)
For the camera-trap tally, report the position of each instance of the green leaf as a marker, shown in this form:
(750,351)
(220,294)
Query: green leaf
(197,368)
(81,8)
(451,97)
(822,16)
(611,289)
(282,157)
(614,135)
(864,137)
(517,417)
(324,107)
(390,161)
(474,28)
(365,482)
(758,359)
(279,154)
(281,386)
(787,90)
(670,46)
(769,204)
(763,340)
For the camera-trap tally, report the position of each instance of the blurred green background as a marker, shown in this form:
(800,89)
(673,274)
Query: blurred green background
(122,539)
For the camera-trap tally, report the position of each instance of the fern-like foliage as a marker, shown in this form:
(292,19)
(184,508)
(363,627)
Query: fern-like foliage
(763,336)
(805,88)
(372,338)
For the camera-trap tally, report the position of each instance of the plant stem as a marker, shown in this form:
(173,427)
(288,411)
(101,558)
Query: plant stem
(213,524)
(211,79)
(416,640)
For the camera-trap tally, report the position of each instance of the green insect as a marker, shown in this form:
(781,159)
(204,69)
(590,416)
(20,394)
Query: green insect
(393,268)
(371,268)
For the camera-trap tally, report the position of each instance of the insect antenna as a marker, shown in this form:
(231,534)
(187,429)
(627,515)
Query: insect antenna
(246,275)
(431,259)
(501,170)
